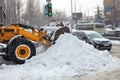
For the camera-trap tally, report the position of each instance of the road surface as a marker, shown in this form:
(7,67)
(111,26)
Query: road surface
(115,50)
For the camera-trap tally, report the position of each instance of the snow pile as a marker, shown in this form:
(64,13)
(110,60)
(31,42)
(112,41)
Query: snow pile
(67,58)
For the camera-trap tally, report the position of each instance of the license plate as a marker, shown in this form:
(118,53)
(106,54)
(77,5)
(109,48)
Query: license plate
(106,44)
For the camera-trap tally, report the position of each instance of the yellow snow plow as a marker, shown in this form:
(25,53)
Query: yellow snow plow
(16,42)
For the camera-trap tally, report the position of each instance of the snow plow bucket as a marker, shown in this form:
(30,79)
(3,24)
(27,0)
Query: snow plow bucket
(61,31)
(55,32)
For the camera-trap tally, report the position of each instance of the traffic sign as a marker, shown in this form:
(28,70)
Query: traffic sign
(45,10)
(76,16)
(108,9)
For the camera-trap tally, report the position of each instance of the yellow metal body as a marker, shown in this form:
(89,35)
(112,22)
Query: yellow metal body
(8,32)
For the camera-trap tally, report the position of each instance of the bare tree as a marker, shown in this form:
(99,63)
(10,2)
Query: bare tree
(33,15)
(59,16)
(2,12)
(18,10)
(37,11)
(29,14)
(8,11)
(13,12)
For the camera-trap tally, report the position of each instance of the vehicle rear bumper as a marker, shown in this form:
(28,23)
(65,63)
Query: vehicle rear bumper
(104,48)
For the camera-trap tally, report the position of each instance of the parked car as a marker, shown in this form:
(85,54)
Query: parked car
(94,38)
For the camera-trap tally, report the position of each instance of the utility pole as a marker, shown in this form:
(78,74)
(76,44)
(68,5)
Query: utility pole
(98,11)
(75,5)
(75,11)
(71,13)
(71,9)
(113,15)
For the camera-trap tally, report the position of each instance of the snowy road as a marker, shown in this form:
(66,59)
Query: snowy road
(115,50)
(110,75)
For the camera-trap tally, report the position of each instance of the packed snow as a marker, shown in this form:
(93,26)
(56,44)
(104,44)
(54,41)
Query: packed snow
(116,42)
(67,58)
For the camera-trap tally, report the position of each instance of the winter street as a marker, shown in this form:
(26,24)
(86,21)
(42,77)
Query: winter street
(59,40)
(66,62)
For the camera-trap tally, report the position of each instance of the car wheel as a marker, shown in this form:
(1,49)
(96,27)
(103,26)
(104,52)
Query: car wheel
(109,49)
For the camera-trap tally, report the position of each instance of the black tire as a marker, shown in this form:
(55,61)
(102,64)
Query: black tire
(6,57)
(109,50)
(19,48)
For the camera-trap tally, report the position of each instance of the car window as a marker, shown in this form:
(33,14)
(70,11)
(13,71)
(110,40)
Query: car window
(117,32)
(85,27)
(75,34)
(99,26)
(80,35)
(94,35)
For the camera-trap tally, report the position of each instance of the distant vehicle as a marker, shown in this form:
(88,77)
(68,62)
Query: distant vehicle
(109,26)
(94,38)
(113,33)
(98,27)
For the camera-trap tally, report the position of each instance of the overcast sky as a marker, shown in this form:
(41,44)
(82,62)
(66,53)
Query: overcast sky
(87,6)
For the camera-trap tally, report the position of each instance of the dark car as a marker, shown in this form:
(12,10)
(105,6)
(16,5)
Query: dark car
(94,38)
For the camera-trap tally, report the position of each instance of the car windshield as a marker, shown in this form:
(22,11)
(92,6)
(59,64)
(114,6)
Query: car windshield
(94,35)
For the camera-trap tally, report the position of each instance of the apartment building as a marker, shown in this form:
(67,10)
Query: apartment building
(112,10)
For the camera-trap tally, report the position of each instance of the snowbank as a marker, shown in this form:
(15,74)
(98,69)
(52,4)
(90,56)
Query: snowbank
(67,58)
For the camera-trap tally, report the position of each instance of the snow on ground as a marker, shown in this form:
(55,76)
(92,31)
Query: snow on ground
(116,42)
(67,58)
